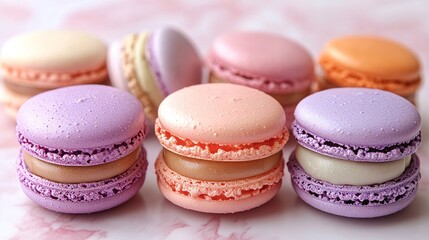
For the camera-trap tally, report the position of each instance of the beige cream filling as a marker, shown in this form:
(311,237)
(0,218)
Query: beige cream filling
(219,170)
(338,171)
(283,99)
(144,75)
(79,174)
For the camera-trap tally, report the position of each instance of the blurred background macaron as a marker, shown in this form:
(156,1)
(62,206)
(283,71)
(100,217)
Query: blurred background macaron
(265,61)
(371,62)
(81,149)
(152,65)
(43,60)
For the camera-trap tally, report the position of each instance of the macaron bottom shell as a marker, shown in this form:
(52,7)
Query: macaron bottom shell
(227,196)
(82,198)
(216,206)
(353,211)
(367,201)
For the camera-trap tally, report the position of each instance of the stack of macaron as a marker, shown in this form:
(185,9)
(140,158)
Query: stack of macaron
(372,62)
(265,61)
(81,150)
(356,152)
(222,148)
(39,61)
(152,65)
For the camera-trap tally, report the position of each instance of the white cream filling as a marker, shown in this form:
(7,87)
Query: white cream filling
(338,171)
(144,75)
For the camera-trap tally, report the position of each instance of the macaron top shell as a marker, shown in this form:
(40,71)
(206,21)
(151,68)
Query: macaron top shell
(222,114)
(372,55)
(359,117)
(174,61)
(263,55)
(81,117)
(64,51)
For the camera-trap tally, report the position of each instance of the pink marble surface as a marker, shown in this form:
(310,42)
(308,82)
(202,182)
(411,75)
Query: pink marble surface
(148,215)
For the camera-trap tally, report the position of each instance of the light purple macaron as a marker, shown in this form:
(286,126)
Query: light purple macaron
(81,149)
(355,156)
(152,65)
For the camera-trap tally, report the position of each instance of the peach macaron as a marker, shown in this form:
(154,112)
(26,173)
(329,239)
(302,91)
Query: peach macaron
(222,147)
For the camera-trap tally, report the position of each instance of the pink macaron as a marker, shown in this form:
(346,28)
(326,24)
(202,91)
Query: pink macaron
(81,149)
(222,148)
(268,62)
(152,65)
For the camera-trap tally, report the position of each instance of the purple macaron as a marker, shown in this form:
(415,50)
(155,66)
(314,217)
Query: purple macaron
(81,149)
(356,152)
(152,65)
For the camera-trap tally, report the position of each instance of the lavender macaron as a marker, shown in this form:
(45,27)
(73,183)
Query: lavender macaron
(356,152)
(81,149)
(152,65)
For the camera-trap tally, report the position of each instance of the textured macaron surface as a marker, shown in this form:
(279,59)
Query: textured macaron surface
(62,51)
(83,121)
(373,55)
(173,60)
(264,56)
(222,114)
(359,117)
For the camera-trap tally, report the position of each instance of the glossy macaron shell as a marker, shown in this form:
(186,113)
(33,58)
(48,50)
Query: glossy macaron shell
(50,51)
(263,56)
(374,56)
(222,114)
(359,117)
(174,61)
(81,117)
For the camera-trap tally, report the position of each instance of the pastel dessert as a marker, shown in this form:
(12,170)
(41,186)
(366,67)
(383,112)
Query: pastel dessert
(268,62)
(35,62)
(371,62)
(356,152)
(152,65)
(222,148)
(81,149)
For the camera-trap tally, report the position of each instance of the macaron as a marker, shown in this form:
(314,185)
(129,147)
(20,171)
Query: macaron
(356,152)
(81,149)
(222,148)
(34,62)
(265,61)
(152,65)
(371,62)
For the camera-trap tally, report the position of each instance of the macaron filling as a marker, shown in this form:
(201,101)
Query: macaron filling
(79,174)
(355,153)
(140,79)
(218,190)
(338,171)
(21,89)
(79,157)
(219,170)
(221,152)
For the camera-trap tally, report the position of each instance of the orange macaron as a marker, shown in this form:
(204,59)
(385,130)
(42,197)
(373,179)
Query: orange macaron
(372,62)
